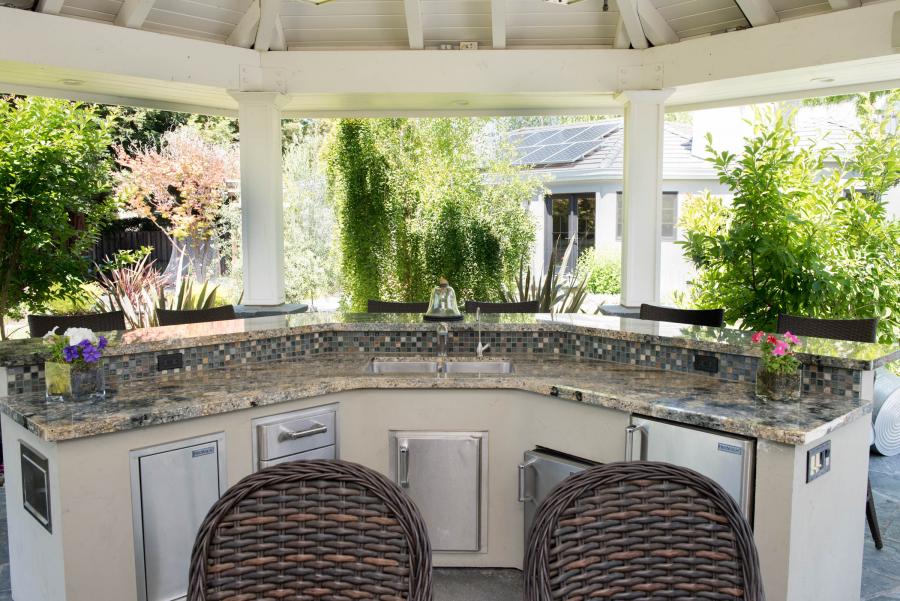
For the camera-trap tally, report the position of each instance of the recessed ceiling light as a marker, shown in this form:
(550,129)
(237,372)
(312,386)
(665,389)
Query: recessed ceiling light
(822,79)
(461,103)
(72,82)
(317,2)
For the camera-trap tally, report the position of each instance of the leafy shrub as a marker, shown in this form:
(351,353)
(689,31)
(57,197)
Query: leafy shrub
(792,241)
(77,302)
(603,273)
(555,291)
(54,173)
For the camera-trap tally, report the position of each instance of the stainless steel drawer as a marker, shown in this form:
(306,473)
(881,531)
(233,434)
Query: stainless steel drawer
(288,434)
(329,452)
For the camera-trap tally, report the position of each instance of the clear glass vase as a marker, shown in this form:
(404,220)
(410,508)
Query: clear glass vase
(66,383)
(778,387)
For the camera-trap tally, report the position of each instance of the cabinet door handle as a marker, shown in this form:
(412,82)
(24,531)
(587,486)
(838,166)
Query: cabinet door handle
(629,442)
(316,429)
(523,498)
(403,465)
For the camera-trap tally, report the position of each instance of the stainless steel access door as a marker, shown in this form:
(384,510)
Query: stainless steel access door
(441,472)
(173,487)
(541,471)
(727,459)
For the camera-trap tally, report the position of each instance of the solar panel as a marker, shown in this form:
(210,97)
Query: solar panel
(595,132)
(563,135)
(540,155)
(537,137)
(573,152)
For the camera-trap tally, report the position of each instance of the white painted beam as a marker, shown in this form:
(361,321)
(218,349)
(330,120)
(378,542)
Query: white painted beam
(621,41)
(133,13)
(632,23)
(758,12)
(656,28)
(244,33)
(842,4)
(50,7)
(265,32)
(498,23)
(414,28)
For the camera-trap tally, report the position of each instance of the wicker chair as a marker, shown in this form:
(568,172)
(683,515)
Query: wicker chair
(165,317)
(521,307)
(378,306)
(857,330)
(38,325)
(316,529)
(696,317)
(640,531)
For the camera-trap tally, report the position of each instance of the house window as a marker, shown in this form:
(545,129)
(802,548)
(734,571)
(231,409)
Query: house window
(668,228)
(570,216)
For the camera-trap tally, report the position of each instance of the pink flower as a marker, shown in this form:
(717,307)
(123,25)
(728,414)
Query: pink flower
(791,338)
(757,337)
(771,339)
(781,348)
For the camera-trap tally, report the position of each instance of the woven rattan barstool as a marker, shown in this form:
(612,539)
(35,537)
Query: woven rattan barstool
(641,531)
(312,530)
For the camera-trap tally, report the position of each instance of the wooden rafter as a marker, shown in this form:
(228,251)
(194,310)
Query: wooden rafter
(758,12)
(51,7)
(632,24)
(622,41)
(244,33)
(656,28)
(265,31)
(133,13)
(498,23)
(414,24)
(842,4)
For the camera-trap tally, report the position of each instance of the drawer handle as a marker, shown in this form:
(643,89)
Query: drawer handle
(403,466)
(316,429)
(523,496)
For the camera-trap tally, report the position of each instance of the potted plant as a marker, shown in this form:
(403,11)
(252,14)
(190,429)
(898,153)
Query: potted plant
(778,377)
(75,368)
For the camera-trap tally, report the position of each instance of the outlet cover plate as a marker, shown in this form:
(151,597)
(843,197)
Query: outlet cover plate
(706,363)
(170,361)
(818,461)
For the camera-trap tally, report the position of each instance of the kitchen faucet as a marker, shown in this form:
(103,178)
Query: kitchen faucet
(479,350)
(443,336)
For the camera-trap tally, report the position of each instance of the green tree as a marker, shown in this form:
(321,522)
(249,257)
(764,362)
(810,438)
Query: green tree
(54,175)
(799,237)
(417,202)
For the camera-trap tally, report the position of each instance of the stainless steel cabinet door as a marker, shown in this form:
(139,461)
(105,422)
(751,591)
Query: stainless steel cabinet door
(441,473)
(177,486)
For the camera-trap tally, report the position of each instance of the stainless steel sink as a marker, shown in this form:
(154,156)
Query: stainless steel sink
(417,366)
(478,367)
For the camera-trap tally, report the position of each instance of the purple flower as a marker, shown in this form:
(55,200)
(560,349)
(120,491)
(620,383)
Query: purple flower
(70,353)
(84,343)
(91,353)
(102,342)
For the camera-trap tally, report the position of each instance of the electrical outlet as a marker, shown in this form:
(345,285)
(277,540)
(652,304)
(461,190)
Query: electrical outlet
(706,363)
(818,461)
(170,361)
(468,45)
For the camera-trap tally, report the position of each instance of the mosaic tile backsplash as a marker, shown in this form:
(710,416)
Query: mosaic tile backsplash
(817,379)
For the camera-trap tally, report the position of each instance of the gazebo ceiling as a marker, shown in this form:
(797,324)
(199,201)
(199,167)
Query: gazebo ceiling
(383,57)
(395,24)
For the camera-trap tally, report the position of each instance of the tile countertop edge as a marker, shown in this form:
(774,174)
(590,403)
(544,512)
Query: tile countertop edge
(322,386)
(181,337)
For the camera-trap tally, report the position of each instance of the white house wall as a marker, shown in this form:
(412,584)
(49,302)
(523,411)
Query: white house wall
(675,270)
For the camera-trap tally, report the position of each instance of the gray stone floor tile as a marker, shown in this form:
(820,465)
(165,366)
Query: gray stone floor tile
(477,585)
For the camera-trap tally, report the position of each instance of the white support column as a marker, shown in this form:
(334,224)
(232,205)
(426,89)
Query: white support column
(262,219)
(642,191)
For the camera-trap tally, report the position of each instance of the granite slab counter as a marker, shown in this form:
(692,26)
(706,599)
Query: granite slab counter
(682,397)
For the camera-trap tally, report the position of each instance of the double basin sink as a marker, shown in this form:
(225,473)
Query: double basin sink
(438,366)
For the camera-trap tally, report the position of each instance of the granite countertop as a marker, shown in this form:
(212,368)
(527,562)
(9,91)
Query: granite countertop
(850,355)
(686,398)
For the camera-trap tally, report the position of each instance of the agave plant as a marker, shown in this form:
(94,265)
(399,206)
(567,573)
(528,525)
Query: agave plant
(189,298)
(555,292)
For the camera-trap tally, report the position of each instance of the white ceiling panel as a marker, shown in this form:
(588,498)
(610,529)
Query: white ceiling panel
(454,21)
(345,23)
(98,10)
(534,23)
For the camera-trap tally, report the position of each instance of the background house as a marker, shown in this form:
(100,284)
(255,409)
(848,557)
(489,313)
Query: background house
(583,167)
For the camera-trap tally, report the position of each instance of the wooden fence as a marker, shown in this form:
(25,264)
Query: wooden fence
(110,242)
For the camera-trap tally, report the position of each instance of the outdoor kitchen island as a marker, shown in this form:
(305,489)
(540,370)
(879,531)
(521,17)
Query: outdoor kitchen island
(572,384)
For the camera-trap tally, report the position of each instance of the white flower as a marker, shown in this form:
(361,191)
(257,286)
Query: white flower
(76,335)
(51,333)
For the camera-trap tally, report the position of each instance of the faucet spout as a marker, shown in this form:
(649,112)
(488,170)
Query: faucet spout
(443,336)
(481,348)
